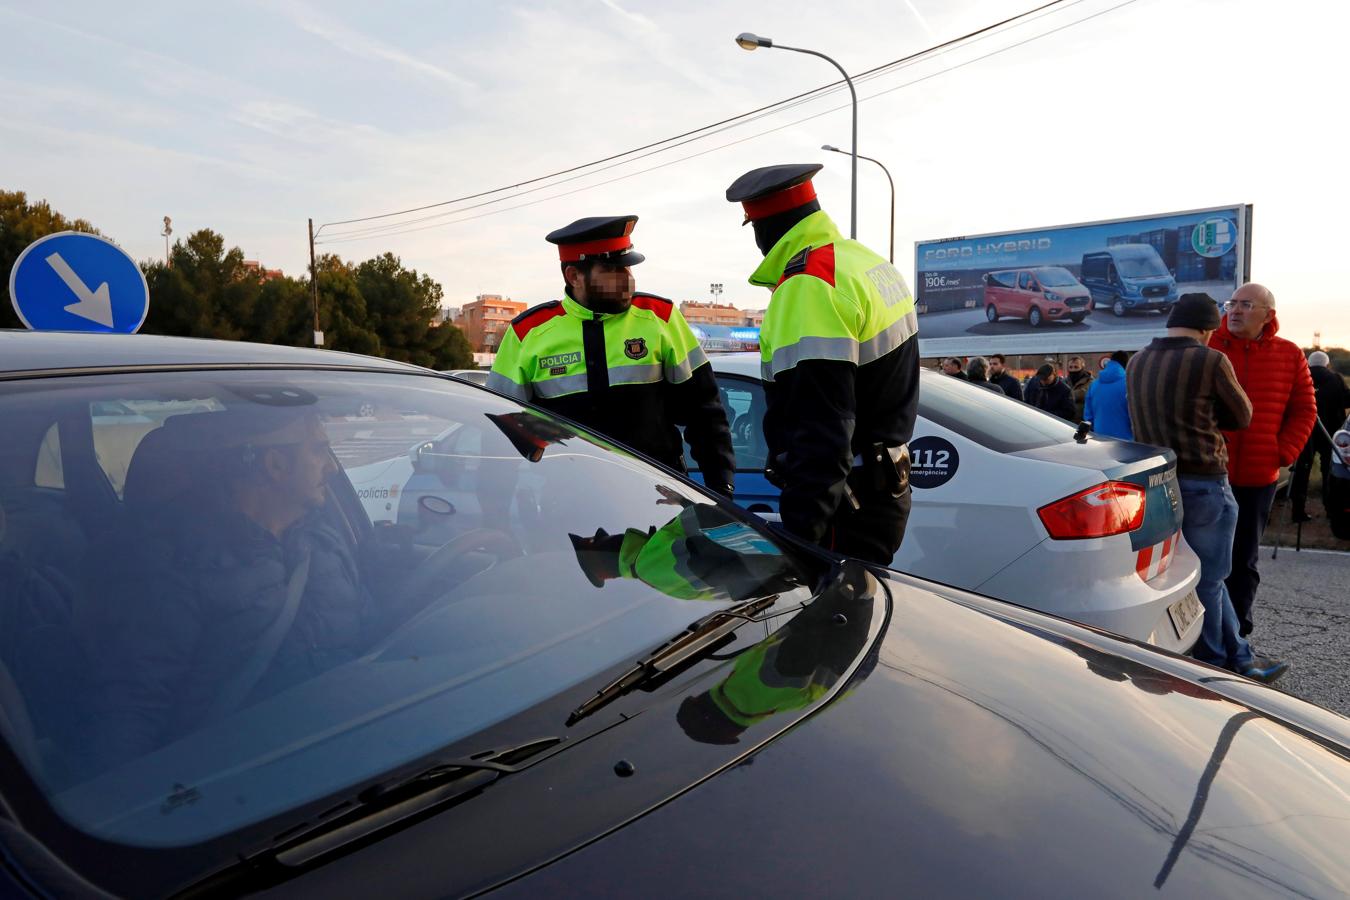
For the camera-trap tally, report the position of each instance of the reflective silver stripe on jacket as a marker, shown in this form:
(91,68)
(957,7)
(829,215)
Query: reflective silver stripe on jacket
(843,349)
(557,387)
(503,385)
(647,374)
(684,369)
(884,342)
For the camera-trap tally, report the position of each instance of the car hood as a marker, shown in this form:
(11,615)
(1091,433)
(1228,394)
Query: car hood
(987,751)
(1069,290)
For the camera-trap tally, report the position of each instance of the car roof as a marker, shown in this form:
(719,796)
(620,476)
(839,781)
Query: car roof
(744,363)
(747,365)
(48,351)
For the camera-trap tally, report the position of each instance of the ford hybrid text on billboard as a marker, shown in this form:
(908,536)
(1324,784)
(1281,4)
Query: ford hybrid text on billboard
(1093,286)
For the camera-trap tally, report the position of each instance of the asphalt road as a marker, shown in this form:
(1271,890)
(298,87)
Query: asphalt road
(1302,614)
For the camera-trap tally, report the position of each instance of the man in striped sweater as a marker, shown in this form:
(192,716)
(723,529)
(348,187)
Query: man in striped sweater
(1182,395)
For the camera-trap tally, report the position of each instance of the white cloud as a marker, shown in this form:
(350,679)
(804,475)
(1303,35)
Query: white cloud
(351,41)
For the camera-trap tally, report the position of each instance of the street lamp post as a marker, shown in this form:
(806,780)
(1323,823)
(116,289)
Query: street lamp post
(168,230)
(715,289)
(748,41)
(835,149)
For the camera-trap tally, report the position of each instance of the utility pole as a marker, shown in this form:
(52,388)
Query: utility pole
(314,286)
(168,230)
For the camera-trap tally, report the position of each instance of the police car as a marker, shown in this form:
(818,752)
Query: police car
(1007,503)
(579,674)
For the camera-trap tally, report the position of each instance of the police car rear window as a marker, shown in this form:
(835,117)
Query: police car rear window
(988,418)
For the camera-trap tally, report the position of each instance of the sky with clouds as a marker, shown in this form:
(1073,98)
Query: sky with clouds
(250,117)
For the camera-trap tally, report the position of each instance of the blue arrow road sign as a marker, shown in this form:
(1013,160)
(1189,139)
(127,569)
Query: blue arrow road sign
(78,282)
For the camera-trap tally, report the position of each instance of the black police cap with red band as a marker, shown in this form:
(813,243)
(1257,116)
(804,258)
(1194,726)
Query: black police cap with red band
(771,190)
(606,238)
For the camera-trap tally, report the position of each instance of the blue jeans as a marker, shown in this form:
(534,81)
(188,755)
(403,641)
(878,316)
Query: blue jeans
(1209,519)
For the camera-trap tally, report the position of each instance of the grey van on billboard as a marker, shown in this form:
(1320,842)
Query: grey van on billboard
(1129,278)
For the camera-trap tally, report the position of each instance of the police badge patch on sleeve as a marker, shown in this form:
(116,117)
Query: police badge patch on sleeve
(635,348)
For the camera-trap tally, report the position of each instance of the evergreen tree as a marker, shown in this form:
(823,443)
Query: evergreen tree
(21,223)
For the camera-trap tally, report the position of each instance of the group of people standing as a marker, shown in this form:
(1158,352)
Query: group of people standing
(1236,403)
(1078,397)
(840,360)
(840,364)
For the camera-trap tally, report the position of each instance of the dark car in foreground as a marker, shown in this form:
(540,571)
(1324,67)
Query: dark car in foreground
(572,673)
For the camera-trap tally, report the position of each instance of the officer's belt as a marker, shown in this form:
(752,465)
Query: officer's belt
(881,470)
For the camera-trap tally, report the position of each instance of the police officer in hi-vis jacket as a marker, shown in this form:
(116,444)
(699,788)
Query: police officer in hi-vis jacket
(840,359)
(622,363)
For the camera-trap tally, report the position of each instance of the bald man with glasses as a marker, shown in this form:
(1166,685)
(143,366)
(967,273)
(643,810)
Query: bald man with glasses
(1275,376)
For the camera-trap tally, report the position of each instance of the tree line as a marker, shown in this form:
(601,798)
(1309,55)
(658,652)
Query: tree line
(377,307)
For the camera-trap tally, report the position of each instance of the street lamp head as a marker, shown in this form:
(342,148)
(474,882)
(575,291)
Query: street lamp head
(748,41)
(831,147)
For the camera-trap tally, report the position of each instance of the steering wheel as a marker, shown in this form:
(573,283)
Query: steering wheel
(426,581)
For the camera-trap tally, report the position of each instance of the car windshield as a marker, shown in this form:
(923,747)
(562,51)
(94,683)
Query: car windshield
(226,594)
(1139,262)
(1054,276)
(988,417)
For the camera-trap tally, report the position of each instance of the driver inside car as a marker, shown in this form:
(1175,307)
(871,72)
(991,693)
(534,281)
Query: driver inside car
(236,589)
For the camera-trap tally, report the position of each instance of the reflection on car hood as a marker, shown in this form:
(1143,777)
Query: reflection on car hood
(979,759)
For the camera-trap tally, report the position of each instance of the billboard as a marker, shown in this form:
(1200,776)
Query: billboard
(1096,286)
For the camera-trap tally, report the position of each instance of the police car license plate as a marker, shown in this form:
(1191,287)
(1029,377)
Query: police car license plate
(1184,612)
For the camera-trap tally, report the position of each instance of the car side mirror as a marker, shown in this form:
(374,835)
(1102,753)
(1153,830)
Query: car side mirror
(421,462)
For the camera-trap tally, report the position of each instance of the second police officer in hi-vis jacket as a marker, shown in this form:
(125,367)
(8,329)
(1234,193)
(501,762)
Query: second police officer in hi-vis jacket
(840,361)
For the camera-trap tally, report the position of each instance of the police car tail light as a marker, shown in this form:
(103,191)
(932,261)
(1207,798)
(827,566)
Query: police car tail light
(1115,507)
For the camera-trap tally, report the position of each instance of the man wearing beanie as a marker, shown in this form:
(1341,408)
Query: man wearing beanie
(1051,393)
(1274,375)
(1181,393)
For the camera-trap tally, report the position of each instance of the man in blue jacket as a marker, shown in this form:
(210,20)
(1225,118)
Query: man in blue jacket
(1107,410)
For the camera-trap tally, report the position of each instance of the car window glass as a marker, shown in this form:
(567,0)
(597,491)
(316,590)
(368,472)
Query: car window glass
(118,426)
(1140,262)
(1024,281)
(988,417)
(47,471)
(308,579)
(744,402)
(1054,276)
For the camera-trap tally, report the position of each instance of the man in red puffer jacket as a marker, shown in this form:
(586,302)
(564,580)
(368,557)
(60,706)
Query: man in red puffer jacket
(1275,376)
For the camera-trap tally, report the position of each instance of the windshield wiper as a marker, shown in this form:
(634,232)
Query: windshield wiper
(701,637)
(389,802)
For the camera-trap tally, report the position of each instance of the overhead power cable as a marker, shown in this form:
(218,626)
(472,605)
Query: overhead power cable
(729,143)
(400,228)
(832,85)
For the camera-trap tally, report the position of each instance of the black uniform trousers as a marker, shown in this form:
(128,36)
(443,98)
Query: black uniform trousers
(1319,446)
(873,531)
(1253,514)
